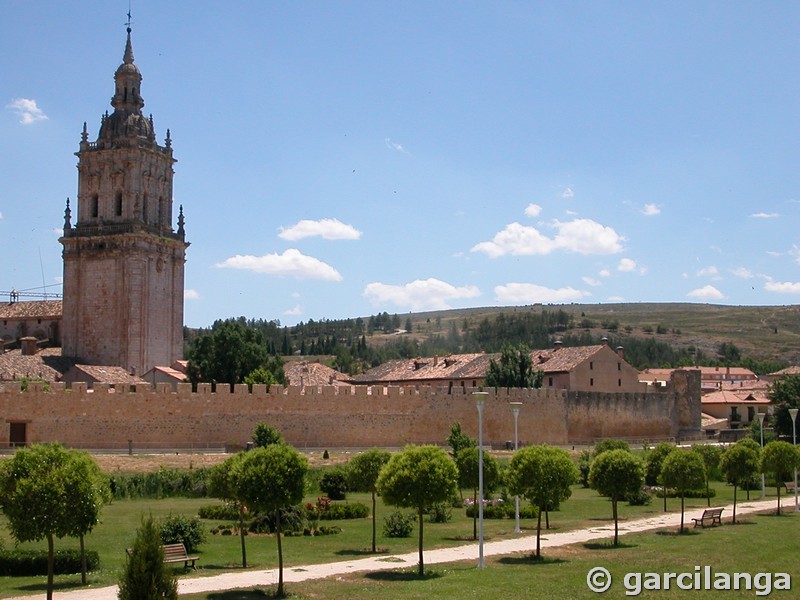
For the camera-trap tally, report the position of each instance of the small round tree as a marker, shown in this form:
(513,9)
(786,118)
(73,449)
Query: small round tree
(711,455)
(616,474)
(269,479)
(362,476)
(265,434)
(780,460)
(683,470)
(221,485)
(652,468)
(739,464)
(542,474)
(610,444)
(418,477)
(467,463)
(146,576)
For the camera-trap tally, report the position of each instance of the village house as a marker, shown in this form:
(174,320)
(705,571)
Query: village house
(595,368)
(38,319)
(711,378)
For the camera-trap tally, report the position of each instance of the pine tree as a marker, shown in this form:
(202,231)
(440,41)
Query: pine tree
(146,577)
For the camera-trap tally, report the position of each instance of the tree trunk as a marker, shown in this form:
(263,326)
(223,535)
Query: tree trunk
(539,534)
(681,531)
(241,535)
(664,493)
(50,558)
(280,553)
(547,519)
(778,487)
(708,493)
(616,526)
(734,504)
(83,561)
(421,564)
(374,524)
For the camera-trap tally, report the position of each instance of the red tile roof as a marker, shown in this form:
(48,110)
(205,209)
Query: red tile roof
(45,309)
(304,373)
(47,364)
(108,374)
(730,397)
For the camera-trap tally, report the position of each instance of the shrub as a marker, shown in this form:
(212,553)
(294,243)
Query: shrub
(398,525)
(34,562)
(641,498)
(584,464)
(145,574)
(164,483)
(334,512)
(671,493)
(293,518)
(180,529)
(502,510)
(219,512)
(440,513)
(611,444)
(334,484)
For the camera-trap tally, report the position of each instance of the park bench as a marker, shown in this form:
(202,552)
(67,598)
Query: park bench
(174,553)
(710,514)
(789,486)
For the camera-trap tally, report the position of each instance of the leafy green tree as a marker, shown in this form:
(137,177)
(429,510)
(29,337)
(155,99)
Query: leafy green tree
(683,470)
(269,479)
(467,463)
(739,463)
(542,474)
(785,394)
(610,444)
(652,468)
(145,576)
(88,487)
(221,484)
(43,498)
(515,369)
(457,440)
(226,354)
(362,476)
(779,459)
(616,474)
(334,484)
(711,455)
(753,482)
(265,434)
(418,477)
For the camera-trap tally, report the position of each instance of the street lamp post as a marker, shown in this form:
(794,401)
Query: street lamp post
(761,428)
(515,406)
(793,413)
(479,399)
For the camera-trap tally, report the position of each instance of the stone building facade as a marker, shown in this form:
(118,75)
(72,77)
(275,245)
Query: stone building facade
(123,262)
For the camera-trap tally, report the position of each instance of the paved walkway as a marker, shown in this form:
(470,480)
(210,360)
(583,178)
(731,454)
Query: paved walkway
(525,543)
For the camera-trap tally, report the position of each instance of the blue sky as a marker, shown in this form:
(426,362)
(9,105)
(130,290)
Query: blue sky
(339,159)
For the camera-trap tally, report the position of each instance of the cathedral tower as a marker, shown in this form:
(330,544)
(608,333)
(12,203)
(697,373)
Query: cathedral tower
(123,262)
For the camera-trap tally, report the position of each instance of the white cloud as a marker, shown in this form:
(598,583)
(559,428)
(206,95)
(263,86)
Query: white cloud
(395,146)
(191,295)
(782,287)
(710,271)
(615,299)
(57,231)
(708,292)
(292,262)
(27,111)
(530,293)
(294,312)
(533,210)
(329,229)
(795,252)
(626,265)
(1,216)
(568,193)
(743,273)
(765,215)
(428,294)
(582,236)
(651,210)
(591,281)
(604,273)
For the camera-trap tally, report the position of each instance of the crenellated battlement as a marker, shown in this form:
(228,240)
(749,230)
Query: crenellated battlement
(333,416)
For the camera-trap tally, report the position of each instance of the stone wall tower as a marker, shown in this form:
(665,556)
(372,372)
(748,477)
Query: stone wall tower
(123,262)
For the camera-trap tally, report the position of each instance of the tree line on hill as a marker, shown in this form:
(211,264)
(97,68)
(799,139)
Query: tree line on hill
(233,348)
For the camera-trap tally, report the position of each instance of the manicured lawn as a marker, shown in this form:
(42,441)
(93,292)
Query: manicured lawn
(121,518)
(759,544)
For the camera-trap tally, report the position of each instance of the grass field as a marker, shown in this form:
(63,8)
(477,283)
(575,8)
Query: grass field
(221,553)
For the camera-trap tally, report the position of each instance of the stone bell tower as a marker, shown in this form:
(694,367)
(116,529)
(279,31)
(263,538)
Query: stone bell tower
(123,262)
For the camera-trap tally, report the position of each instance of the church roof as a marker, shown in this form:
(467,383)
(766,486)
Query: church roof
(47,364)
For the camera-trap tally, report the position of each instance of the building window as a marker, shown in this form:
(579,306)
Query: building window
(550,381)
(118,205)
(619,382)
(619,366)
(591,381)
(591,366)
(94,207)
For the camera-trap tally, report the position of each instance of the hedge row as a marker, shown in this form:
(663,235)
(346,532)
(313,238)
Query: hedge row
(34,562)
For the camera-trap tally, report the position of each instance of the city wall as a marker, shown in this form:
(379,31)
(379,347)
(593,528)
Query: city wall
(329,417)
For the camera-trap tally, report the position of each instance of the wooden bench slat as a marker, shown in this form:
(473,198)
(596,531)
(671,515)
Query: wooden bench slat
(710,514)
(174,553)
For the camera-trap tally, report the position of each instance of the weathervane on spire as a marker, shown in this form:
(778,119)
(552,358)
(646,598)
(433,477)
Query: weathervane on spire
(128,23)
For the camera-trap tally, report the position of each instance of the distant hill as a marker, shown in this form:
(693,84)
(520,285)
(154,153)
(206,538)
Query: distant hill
(759,332)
